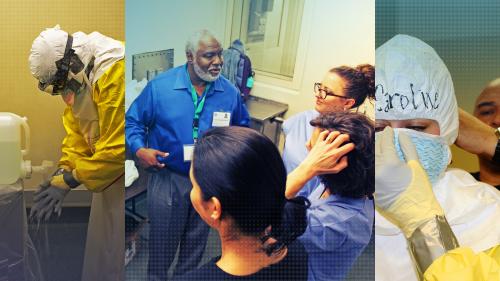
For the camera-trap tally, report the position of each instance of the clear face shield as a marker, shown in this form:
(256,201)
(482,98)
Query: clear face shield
(70,75)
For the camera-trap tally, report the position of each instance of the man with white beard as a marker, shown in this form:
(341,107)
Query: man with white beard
(162,126)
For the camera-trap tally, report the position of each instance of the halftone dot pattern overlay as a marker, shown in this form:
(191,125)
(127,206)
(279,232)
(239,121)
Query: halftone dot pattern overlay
(361,270)
(465,34)
(62,247)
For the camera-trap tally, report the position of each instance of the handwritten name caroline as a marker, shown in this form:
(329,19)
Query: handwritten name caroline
(413,100)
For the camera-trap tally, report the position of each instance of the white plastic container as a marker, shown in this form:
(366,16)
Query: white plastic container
(11,152)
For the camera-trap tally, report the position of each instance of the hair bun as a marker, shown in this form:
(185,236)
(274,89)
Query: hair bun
(293,224)
(368,72)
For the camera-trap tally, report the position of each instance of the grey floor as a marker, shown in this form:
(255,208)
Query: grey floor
(60,244)
(364,268)
(136,270)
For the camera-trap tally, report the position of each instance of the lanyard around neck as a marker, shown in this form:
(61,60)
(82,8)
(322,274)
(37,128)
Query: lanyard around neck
(198,108)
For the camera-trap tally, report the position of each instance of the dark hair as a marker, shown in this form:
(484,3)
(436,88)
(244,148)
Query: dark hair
(244,170)
(360,81)
(357,180)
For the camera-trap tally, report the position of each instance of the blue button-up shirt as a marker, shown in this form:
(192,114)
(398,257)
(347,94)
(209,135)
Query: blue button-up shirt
(338,229)
(161,117)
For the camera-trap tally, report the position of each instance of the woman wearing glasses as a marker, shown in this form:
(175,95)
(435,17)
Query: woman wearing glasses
(343,88)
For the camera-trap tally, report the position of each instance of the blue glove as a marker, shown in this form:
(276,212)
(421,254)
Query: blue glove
(47,199)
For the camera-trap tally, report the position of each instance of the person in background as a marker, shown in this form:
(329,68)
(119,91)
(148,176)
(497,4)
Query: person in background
(239,183)
(162,125)
(88,72)
(340,219)
(487,109)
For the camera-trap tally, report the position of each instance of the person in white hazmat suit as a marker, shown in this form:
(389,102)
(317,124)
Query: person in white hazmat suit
(87,71)
(415,95)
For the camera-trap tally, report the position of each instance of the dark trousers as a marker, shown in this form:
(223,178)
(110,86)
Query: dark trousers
(173,223)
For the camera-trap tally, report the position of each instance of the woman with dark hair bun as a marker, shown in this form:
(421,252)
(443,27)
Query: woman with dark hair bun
(239,184)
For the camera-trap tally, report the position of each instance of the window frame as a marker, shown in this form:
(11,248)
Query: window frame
(294,83)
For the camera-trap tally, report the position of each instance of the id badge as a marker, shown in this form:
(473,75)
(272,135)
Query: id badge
(188,152)
(221,119)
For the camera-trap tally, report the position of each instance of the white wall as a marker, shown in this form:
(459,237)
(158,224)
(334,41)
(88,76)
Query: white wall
(334,32)
(155,25)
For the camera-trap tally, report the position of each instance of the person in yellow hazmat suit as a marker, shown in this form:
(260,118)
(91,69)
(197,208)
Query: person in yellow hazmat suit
(87,71)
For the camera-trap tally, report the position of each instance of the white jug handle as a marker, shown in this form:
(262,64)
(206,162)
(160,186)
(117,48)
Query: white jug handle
(26,128)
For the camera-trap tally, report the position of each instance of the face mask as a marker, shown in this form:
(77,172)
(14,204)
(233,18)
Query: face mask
(433,152)
(78,83)
(71,74)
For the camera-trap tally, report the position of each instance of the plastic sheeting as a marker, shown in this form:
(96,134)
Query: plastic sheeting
(133,90)
(18,257)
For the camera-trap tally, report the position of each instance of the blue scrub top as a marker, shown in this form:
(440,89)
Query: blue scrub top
(298,131)
(338,229)
(161,117)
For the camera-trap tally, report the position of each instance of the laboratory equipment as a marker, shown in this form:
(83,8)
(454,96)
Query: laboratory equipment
(266,116)
(149,65)
(12,166)
(18,256)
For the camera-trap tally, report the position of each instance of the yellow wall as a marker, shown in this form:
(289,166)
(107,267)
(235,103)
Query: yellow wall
(464,160)
(21,22)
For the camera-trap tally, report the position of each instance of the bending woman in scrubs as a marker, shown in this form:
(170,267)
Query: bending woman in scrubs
(340,219)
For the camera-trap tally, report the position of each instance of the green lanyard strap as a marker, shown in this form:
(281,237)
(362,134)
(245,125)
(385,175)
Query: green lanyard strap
(198,108)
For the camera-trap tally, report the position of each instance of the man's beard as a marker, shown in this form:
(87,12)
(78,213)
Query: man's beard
(205,76)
